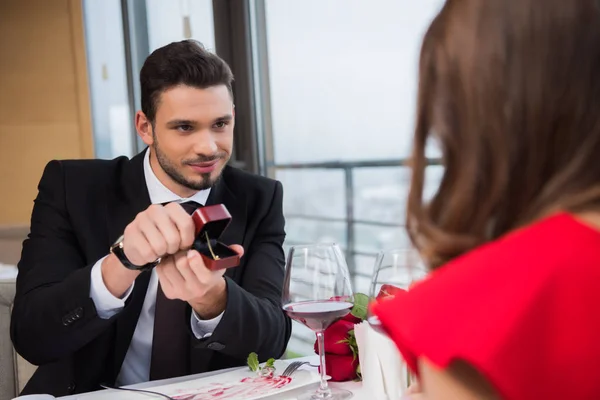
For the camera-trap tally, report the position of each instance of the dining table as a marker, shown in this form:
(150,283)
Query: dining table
(356,387)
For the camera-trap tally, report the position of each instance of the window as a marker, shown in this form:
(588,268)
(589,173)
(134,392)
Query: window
(111,114)
(115,55)
(172,21)
(343,80)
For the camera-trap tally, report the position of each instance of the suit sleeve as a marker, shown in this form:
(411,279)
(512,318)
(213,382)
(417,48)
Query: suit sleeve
(53,314)
(253,312)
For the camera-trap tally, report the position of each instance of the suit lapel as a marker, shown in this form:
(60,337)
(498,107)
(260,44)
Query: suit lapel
(234,234)
(236,205)
(128,198)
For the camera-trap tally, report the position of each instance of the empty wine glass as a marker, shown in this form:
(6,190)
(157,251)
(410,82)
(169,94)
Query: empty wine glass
(398,268)
(316,293)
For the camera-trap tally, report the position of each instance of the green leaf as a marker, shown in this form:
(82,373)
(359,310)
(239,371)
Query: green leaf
(270,363)
(352,343)
(361,302)
(253,361)
(350,340)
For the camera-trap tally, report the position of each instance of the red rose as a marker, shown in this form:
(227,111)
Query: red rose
(334,334)
(389,291)
(351,318)
(341,368)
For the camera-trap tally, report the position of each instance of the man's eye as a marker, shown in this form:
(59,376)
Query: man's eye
(185,128)
(221,124)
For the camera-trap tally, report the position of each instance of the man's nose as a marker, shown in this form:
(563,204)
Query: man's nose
(206,144)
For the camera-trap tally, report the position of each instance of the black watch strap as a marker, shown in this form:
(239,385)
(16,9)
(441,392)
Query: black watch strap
(117,250)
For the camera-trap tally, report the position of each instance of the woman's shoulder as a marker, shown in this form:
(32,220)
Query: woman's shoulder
(556,241)
(521,310)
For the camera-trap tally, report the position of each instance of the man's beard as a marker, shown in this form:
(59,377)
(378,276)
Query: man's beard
(171,169)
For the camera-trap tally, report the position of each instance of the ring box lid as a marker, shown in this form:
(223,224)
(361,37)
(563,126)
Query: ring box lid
(213,220)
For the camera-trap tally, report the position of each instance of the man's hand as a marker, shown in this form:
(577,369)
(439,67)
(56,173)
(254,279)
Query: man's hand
(157,232)
(154,233)
(185,277)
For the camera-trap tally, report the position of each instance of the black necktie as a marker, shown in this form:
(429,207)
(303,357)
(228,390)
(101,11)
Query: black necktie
(171,341)
(190,206)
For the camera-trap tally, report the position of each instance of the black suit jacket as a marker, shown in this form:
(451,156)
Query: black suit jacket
(82,207)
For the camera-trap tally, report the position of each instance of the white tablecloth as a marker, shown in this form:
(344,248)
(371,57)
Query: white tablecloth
(354,387)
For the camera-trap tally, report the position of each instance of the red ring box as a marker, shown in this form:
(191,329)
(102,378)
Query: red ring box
(213,220)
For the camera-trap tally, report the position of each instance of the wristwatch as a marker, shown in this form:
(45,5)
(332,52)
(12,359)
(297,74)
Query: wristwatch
(117,250)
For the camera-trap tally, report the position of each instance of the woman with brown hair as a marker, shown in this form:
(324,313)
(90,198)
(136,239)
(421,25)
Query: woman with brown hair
(510,89)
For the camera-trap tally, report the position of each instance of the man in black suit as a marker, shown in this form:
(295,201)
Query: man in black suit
(94,304)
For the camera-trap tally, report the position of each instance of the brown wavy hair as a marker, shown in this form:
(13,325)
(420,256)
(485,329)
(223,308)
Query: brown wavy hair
(510,90)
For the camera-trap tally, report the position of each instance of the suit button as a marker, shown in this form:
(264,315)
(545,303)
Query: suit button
(79,312)
(71,387)
(216,346)
(66,320)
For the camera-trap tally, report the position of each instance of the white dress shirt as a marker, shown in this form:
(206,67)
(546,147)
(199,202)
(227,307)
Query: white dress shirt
(136,366)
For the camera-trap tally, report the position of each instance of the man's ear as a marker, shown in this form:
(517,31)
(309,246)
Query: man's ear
(144,128)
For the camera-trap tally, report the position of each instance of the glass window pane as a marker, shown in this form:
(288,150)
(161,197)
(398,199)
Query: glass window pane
(362,284)
(343,76)
(364,263)
(381,193)
(306,231)
(172,21)
(111,118)
(374,238)
(433,178)
(314,192)
(364,270)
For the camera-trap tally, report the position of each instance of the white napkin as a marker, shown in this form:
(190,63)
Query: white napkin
(384,372)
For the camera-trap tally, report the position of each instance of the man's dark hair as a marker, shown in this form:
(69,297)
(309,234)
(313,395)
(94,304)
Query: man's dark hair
(180,63)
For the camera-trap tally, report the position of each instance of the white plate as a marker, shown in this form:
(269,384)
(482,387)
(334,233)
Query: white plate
(241,384)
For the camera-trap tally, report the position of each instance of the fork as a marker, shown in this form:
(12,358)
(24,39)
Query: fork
(293,367)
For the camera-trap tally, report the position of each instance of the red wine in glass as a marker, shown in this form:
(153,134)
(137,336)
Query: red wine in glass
(317,315)
(316,293)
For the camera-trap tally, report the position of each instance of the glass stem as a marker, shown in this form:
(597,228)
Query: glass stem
(324,392)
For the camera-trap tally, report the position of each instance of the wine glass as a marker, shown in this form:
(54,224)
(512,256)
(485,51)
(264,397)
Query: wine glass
(316,293)
(394,268)
(398,268)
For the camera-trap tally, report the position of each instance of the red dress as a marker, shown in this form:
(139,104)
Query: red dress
(524,310)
